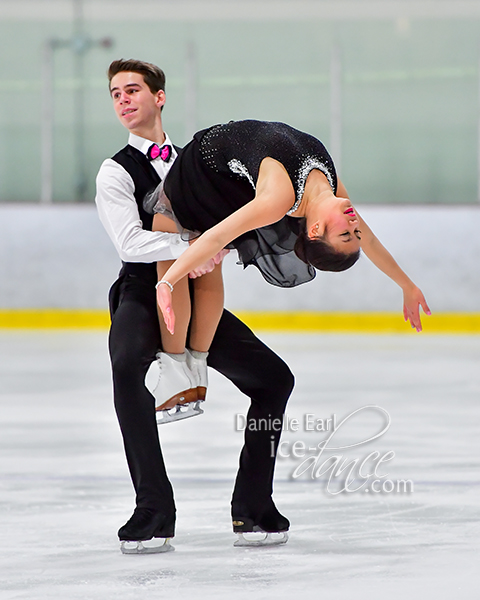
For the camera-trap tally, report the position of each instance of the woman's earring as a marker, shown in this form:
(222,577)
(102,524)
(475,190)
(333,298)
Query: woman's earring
(314,230)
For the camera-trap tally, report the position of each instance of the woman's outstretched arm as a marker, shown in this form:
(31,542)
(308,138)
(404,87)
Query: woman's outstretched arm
(383,260)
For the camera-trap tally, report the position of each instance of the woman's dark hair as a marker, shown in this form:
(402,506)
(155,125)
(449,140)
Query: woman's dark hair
(322,255)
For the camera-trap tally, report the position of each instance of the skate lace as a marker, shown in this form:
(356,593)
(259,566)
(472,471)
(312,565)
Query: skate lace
(161,368)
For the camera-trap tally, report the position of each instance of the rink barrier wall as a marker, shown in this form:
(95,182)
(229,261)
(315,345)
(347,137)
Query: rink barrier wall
(60,257)
(280,321)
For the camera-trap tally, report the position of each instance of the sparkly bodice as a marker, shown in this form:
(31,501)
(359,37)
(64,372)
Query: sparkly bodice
(216,174)
(240,147)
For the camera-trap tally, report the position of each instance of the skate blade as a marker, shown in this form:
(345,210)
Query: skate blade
(179,412)
(149,547)
(261,538)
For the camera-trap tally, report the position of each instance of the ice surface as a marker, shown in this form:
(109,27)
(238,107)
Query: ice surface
(65,489)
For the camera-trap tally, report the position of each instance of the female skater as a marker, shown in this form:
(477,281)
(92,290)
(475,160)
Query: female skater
(272,193)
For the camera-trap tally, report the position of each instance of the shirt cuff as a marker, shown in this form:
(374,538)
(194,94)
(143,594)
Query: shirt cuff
(178,247)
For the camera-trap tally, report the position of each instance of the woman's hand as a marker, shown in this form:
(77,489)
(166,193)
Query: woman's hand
(164,299)
(202,269)
(412,300)
(209,265)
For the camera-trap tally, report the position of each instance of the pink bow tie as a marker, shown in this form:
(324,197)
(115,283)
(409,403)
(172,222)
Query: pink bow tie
(165,152)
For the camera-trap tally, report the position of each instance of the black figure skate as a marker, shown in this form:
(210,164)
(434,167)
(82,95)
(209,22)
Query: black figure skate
(144,531)
(269,529)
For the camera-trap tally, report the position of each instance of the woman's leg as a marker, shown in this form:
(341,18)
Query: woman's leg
(203,319)
(207,309)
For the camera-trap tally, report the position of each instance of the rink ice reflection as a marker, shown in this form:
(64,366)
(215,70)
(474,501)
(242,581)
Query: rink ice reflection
(65,489)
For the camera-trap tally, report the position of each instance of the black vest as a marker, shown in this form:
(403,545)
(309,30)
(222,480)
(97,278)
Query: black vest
(145,180)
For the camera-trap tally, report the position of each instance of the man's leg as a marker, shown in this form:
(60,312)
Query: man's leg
(134,340)
(263,376)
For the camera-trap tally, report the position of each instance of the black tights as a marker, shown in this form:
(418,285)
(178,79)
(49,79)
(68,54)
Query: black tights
(235,352)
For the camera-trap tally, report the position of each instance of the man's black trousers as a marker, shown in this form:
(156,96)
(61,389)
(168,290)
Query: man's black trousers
(235,352)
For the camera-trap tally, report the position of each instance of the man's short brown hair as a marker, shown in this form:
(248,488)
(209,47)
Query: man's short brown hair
(153,76)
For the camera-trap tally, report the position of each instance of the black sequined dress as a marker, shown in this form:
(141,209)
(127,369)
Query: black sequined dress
(216,174)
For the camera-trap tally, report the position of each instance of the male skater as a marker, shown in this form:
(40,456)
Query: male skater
(138,93)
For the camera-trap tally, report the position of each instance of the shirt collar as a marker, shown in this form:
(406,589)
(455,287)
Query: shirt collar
(143,144)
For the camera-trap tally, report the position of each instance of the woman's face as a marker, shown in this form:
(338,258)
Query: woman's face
(341,227)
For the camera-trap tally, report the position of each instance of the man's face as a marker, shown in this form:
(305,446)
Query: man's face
(134,104)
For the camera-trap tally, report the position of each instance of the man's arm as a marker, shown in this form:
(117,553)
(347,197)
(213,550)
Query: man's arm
(118,213)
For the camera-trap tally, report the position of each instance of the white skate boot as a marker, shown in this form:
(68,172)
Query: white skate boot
(176,390)
(197,363)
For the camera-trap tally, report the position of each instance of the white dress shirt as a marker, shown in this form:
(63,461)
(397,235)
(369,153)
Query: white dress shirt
(118,211)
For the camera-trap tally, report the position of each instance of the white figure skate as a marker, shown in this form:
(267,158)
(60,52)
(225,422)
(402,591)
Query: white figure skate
(175,391)
(197,363)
